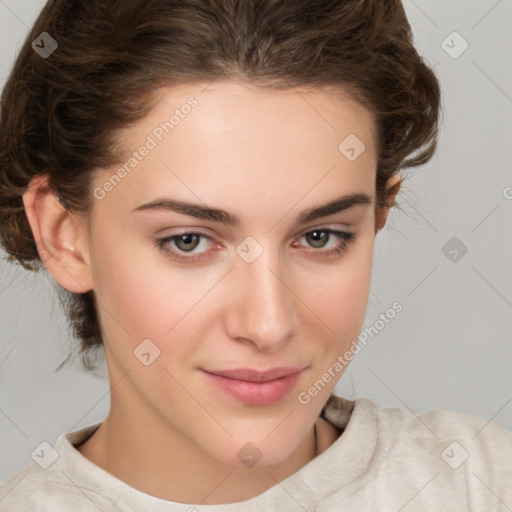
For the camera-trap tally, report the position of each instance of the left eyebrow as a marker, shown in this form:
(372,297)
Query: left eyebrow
(217,215)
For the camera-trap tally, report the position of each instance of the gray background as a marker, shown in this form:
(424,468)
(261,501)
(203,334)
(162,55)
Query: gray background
(449,348)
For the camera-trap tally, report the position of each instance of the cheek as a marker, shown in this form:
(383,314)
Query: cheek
(341,293)
(340,300)
(134,300)
(142,296)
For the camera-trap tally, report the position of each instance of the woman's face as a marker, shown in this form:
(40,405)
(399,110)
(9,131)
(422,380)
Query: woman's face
(262,286)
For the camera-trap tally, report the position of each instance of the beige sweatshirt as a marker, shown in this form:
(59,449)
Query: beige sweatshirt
(386,460)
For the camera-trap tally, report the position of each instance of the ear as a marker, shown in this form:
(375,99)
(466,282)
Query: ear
(61,236)
(382,212)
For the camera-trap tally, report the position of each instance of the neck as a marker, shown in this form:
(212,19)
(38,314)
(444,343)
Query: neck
(149,468)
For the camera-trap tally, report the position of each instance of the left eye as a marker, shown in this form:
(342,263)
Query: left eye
(189,241)
(318,237)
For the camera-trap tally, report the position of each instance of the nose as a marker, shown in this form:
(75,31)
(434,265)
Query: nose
(262,307)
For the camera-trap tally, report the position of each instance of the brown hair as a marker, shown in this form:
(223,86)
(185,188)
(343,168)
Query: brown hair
(60,114)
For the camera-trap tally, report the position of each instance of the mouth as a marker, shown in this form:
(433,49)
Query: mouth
(256,387)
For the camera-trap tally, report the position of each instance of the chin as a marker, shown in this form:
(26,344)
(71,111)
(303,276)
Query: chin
(257,453)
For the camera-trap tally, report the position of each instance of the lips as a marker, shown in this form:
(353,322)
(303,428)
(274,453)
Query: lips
(256,387)
(253,375)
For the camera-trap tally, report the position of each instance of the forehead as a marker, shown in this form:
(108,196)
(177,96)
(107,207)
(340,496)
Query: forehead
(216,141)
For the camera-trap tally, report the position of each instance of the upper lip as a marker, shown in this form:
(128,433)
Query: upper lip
(254,375)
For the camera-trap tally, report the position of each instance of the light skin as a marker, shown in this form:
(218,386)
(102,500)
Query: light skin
(265,156)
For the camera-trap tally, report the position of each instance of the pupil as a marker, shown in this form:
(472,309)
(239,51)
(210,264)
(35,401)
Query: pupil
(319,236)
(188,240)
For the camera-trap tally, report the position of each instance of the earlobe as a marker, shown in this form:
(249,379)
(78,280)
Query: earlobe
(381,217)
(60,236)
(381,213)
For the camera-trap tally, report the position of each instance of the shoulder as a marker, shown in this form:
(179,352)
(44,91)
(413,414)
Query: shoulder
(438,427)
(37,489)
(462,459)
(396,424)
(432,460)
(55,484)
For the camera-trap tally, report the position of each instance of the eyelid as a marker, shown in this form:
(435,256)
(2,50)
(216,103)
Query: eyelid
(340,226)
(345,237)
(231,237)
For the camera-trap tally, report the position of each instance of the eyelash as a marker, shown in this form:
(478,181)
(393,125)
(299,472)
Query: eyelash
(346,239)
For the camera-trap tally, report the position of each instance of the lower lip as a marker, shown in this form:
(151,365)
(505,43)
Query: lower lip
(256,393)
